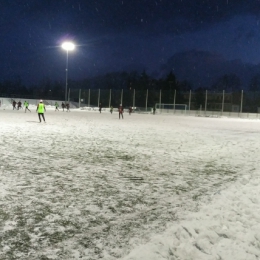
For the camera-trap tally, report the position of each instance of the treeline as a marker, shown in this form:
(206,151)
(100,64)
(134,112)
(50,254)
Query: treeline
(48,88)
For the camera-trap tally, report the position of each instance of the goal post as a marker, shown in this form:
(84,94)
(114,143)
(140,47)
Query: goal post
(171,108)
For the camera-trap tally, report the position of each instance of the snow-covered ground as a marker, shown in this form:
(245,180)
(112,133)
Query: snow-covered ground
(89,186)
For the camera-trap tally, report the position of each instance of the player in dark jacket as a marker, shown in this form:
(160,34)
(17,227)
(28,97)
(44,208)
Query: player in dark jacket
(14,104)
(130,110)
(121,111)
(68,107)
(19,105)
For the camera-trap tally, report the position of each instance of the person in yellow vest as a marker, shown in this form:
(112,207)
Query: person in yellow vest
(41,109)
(56,106)
(26,104)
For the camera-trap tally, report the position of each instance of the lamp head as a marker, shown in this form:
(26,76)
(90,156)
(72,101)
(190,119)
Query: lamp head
(68,46)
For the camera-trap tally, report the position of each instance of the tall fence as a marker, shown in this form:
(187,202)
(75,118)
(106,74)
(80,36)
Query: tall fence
(238,101)
(202,101)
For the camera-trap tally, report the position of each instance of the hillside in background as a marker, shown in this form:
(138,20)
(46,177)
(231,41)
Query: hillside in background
(203,69)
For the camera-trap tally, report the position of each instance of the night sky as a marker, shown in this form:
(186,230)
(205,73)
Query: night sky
(113,35)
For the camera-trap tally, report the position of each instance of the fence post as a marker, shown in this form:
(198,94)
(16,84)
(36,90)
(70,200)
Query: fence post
(121,97)
(134,99)
(98,96)
(160,100)
(109,103)
(223,100)
(174,100)
(206,101)
(241,104)
(189,101)
(89,97)
(79,96)
(146,100)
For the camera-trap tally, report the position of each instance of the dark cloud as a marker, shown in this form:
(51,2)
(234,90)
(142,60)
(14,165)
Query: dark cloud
(154,16)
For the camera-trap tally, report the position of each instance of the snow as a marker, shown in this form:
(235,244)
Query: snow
(87,185)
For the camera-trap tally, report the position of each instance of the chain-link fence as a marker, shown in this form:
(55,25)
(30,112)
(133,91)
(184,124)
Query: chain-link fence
(203,101)
(194,100)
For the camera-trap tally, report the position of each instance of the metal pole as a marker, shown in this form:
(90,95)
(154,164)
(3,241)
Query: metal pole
(109,103)
(160,100)
(134,99)
(206,101)
(79,96)
(69,95)
(98,96)
(88,97)
(121,97)
(174,100)
(223,100)
(241,104)
(66,83)
(189,101)
(146,100)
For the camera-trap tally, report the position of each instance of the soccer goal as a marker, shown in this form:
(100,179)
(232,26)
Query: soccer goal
(171,108)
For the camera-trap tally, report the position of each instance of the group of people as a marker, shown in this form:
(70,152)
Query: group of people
(63,106)
(120,110)
(19,105)
(41,108)
(67,106)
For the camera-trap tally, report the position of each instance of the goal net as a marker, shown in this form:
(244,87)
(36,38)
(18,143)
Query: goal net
(171,107)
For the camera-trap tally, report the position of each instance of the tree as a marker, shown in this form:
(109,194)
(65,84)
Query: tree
(228,82)
(254,84)
(185,86)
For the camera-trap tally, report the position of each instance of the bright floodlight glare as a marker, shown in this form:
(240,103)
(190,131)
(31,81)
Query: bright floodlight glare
(68,46)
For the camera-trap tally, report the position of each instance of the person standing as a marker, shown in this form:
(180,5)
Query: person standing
(19,105)
(121,111)
(68,107)
(14,104)
(130,110)
(26,105)
(154,109)
(111,109)
(56,106)
(100,107)
(41,109)
(63,106)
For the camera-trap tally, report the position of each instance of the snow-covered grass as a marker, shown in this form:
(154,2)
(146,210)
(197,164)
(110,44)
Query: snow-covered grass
(90,186)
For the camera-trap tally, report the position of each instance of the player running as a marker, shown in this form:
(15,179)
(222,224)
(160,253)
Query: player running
(68,107)
(19,105)
(56,106)
(26,105)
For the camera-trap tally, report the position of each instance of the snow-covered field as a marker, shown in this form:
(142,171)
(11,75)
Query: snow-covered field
(89,186)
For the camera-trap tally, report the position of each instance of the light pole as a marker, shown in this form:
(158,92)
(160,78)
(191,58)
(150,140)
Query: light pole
(67,46)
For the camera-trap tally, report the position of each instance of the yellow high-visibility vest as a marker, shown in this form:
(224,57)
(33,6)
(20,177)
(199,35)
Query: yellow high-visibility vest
(40,108)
